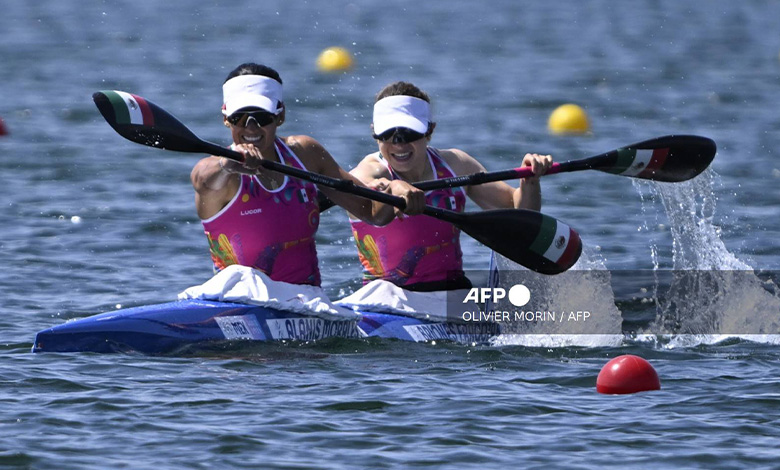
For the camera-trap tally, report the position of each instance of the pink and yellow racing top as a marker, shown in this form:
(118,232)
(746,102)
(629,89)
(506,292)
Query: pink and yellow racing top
(417,249)
(269,230)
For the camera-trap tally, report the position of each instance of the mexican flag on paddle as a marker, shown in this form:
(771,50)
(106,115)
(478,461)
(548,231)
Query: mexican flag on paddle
(129,108)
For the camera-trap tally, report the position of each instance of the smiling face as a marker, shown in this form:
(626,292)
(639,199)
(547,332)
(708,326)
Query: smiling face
(248,130)
(402,127)
(409,159)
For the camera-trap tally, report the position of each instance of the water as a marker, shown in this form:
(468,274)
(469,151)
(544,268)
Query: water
(91,221)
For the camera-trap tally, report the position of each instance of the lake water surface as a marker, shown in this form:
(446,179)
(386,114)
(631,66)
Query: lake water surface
(92,222)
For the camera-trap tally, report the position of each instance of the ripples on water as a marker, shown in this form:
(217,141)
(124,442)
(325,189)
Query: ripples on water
(376,405)
(92,222)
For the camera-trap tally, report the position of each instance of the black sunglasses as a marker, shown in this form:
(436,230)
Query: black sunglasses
(399,135)
(262,118)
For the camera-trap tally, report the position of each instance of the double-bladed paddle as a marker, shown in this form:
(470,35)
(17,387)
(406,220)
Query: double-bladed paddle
(539,242)
(670,159)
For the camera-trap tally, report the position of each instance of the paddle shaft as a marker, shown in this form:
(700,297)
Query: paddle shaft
(509,232)
(483,177)
(683,157)
(679,158)
(345,186)
(503,175)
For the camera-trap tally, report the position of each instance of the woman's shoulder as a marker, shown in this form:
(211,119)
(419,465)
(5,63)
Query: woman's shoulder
(370,168)
(461,162)
(309,151)
(302,143)
(373,158)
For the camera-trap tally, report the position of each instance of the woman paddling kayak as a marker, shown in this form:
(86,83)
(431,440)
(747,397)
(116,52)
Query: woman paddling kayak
(263,219)
(419,252)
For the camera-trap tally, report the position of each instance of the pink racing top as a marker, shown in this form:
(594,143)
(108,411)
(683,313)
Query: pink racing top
(416,249)
(269,230)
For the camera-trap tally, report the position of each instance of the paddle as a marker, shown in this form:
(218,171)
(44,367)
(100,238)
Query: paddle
(531,239)
(671,159)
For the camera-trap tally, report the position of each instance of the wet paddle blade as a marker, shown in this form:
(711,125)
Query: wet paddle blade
(670,159)
(534,240)
(143,122)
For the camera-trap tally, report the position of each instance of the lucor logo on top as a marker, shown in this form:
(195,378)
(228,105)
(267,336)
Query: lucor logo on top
(518,295)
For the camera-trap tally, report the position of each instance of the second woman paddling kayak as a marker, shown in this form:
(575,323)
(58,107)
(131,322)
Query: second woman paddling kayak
(419,252)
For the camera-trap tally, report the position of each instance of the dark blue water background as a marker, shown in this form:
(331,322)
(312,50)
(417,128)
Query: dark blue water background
(91,221)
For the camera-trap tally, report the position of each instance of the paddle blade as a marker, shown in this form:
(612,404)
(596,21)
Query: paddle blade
(671,158)
(534,240)
(143,122)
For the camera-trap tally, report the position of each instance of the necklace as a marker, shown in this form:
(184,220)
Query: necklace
(269,181)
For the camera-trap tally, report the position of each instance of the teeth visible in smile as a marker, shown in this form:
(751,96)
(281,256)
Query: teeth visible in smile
(251,139)
(402,156)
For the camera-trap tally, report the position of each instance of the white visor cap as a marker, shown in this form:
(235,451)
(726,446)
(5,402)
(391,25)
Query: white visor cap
(251,91)
(401,111)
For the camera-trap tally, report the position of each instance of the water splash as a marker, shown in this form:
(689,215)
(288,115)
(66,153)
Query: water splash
(690,208)
(709,295)
(585,288)
(713,296)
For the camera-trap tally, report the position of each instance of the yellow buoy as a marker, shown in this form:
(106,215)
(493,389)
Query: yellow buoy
(334,59)
(568,119)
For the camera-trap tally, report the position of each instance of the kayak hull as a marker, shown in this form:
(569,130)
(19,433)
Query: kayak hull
(168,327)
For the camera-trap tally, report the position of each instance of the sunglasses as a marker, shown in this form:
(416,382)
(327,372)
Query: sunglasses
(399,135)
(262,118)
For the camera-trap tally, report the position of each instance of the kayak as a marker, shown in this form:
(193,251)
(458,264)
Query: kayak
(169,327)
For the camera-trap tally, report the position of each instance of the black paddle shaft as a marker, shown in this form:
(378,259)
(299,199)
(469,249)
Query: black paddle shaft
(687,156)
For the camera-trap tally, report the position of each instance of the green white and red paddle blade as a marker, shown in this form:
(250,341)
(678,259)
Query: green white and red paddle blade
(141,121)
(671,158)
(529,238)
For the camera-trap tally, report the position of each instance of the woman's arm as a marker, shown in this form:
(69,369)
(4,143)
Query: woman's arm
(318,160)
(500,195)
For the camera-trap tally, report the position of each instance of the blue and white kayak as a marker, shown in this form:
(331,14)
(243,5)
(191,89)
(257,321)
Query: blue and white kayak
(168,327)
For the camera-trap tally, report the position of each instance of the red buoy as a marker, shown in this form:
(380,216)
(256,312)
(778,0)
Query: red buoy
(627,374)
(3,130)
